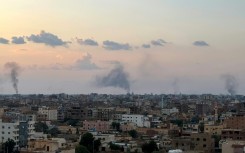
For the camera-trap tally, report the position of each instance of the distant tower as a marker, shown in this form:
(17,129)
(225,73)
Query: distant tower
(215,112)
(162,102)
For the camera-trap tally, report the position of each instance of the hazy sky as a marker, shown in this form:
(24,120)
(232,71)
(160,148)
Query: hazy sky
(107,46)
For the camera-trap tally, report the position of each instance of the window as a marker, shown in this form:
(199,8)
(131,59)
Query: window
(204,139)
(3,127)
(204,146)
(198,139)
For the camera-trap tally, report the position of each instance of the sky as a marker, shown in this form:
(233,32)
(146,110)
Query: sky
(120,46)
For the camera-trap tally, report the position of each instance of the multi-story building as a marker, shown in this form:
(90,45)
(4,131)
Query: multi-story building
(201,109)
(202,142)
(170,111)
(99,126)
(183,143)
(234,134)
(50,113)
(235,122)
(105,114)
(213,129)
(233,146)
(9,131)
(139,120)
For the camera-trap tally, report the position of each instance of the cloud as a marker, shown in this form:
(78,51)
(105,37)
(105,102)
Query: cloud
(18,40)
(111,45)
(200,43)
(48,39)
(85,63)
(4,41)
(146,46)
(158,42)
(88,42)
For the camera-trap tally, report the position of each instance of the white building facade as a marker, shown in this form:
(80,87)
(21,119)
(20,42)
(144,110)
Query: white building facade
(139,120)
(9,131)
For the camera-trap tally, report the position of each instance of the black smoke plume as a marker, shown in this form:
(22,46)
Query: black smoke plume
(231,84)
(14,69)
(117,77)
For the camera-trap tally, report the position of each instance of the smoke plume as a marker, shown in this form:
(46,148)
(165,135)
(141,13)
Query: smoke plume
(231,84)
(14,69)
(117,77)
(175,85)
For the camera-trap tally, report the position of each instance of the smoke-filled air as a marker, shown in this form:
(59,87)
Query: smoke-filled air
(231,83)
(117,77)
(14,70)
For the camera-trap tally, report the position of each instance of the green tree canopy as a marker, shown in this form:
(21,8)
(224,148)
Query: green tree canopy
(88,141)
(133,133)
(201,127)
(9,146)
(41,127)
(149,147)
(54,132)
(81,149)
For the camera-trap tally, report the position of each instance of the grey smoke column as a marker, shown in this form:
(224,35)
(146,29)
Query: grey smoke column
(117,77)
(175,85)
(231,83)
(14,69)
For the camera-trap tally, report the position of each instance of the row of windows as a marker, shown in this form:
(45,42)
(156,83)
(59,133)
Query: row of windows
(4,127)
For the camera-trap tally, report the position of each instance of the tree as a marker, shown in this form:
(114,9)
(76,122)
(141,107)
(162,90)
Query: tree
(201,127)
(72,122)
(81,149)
(114,146)
(149,147)
(116,126)
(54,131)
(41,127)
(88,141)
(217,138)
(177,122)
(9,146)
(133,133)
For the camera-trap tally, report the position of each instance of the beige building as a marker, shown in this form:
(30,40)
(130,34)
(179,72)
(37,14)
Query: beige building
(233,146)
(213,129)
(235,122)
(202,142)
(48,146)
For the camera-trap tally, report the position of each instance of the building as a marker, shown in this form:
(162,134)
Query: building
(202,142)
(9,131)
(49,146)
(213,129)
(233,146)
(170,111)
(234,134)
(183,143)
(139,120)
(99,126)
(105,114)
(235,122)
(51,114)
(202,109)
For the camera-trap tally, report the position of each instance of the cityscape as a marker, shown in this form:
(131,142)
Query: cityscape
(114,76)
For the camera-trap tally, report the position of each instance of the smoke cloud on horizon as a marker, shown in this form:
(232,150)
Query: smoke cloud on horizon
(117,77)
(14,70)
(231,84)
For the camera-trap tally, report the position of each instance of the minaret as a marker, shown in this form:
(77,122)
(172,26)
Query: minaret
(162,102)
(215,112)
